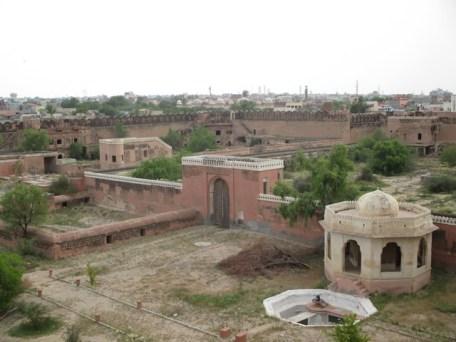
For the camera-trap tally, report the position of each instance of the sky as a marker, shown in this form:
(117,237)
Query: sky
(54,48)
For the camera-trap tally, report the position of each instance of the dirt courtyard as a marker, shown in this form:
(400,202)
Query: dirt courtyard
(174,275)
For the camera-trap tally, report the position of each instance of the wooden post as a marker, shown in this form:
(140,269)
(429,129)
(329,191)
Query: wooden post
(139,305)
(78,282)
(40,293)
(97,318)
(241,337)
(50,273)
(225,332)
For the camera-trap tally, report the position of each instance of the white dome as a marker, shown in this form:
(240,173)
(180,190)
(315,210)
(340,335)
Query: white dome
(377,203)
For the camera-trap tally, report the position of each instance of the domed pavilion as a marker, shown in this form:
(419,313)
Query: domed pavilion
(377,245)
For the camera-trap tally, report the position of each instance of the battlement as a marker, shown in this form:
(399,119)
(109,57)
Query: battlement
(291,116)
(367,120)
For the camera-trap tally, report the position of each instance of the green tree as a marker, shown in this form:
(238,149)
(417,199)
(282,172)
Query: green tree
(243,105)
(359,106)
(85,106)
(72,102)
(299,161)
(362,151)
(349,331)
(50,109)
(159,168)
(11,270)
(283,189)
(390,157)
(448,155)
(24,205)
(120,130)
(174,139)
(201,139)
(61,186)
(76,151)
(34,140)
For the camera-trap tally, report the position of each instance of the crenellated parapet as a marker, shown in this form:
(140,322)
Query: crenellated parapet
(291,116)
(367,120)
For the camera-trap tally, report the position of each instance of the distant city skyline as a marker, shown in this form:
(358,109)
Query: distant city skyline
(88,48)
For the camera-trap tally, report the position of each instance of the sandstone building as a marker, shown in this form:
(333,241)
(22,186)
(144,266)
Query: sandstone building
(378,244)
(129,152)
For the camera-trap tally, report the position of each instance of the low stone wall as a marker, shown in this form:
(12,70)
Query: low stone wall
(60,245)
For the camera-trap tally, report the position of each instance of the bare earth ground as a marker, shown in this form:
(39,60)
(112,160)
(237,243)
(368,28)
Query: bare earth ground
(163,272)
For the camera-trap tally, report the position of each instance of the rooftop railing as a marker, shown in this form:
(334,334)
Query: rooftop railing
(133,180)
(253,164)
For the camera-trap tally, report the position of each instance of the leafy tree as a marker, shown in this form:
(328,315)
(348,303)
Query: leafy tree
(174,139)
(201,139)
(76,151)
(109,110)
(448,155)
(349,331)
(61,186)
(159,168)
(50,109)
(362,151)
(11,270)
(328,183)
(359,106)
(298,161)
(390,157)
(72,102)
(118,102)
(243,105)
(24,205)
(120,130)
(283,189)
(34,140)
(85,106)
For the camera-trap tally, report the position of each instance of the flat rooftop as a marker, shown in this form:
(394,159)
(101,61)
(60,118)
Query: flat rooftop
(231,162)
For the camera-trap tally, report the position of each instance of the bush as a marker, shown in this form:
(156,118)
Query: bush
(440,183)
(92,274)
(174,139)
(301,184)
(72,334)
(283,189)
(76,151)
(159,168)
(26,247)
(37,324)
(448,155)
(390,157)
(34,140)
(11,270)
(366,174)
(61,186)
(201,139)
(349,331)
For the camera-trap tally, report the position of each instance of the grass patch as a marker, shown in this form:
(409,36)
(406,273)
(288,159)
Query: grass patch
(27,329)
(216,301)
(446,307)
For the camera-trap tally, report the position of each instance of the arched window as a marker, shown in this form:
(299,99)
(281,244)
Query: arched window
(328,245)
(421,257)
(352,253)
(391,258)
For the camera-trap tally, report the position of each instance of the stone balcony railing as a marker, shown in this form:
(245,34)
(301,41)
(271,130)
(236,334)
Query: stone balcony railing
(133,180)
(241,163)
(275,199)
(417,224)
(444,220)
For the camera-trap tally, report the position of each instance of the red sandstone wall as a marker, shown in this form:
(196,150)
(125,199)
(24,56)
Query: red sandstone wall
(444,247)
(7,167)
(60,245)
(135,198)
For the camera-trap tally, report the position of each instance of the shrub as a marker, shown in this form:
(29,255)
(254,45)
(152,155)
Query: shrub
(390,157)
(448,155)
(201,139)
(159,168)
(38,322)
(349,331)
(440,183)
(34,140)
(366,174)
(26,247)
(92,274)
(174,139)
(301,184)
(72,334)
(61,186)
(11,270)
(76,151)
(283,189)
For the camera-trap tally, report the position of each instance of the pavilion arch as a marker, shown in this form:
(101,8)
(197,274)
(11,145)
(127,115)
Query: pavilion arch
(391,258)
(422,253)
(352,257)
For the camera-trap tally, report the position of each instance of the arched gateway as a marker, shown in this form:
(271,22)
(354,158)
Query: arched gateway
(221,204)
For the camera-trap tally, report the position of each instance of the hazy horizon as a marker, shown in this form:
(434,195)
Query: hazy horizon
(85,48)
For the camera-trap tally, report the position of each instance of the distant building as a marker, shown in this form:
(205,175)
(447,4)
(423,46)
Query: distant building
(129,152)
